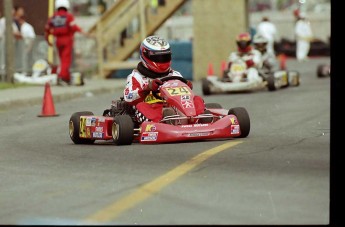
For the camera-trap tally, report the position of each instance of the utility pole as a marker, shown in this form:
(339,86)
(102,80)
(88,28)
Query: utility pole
(9,44)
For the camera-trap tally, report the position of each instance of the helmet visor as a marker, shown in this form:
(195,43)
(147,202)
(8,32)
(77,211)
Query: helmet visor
(159,57)
(243,44)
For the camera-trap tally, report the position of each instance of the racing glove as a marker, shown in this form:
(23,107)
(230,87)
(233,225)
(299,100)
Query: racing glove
(190,84)
(153,85)
(250,63)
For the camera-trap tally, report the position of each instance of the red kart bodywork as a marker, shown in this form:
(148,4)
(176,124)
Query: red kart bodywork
(100,128)
(188,123)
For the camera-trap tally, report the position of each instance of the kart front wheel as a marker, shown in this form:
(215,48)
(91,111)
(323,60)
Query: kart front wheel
(322,71)
(271,83)
(206,86)
(122,130)
(243,120)
(74,128)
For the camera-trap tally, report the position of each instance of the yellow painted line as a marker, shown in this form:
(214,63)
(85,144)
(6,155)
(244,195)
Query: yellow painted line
(147,190)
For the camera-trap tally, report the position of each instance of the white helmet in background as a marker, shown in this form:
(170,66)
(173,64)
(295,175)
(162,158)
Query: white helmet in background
(260,43)
(62,3)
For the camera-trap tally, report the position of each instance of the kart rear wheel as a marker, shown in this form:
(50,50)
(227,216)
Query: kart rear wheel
(122,130)
(206,86)
(74,128)
(213,106)
(322,71)
(271,83)
(319,71)
(243,119)
(294,78)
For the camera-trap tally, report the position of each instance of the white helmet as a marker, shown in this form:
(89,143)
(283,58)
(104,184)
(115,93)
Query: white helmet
(260,43)
(62,3)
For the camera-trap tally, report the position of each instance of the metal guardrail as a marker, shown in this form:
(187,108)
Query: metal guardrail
(30,50)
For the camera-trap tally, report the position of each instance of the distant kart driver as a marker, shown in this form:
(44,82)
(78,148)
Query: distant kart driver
(248,54)
(268,59)
(155,63)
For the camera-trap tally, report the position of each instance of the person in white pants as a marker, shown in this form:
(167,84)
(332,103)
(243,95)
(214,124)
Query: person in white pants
(304,36)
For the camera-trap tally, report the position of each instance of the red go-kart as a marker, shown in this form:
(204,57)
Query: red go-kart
(183,123)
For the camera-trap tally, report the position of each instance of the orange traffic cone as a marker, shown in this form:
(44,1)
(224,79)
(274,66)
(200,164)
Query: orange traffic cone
(48,109)
(282,58)
(210,71)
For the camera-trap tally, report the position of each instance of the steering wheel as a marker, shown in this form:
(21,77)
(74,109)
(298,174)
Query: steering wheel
(180,78)
(174,78)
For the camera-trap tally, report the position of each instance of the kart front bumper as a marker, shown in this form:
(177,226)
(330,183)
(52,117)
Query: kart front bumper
(226,127)
(217,86)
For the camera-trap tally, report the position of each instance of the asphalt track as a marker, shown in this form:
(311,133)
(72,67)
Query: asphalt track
(279,174)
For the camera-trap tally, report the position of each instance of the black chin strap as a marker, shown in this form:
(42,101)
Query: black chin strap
(148,73)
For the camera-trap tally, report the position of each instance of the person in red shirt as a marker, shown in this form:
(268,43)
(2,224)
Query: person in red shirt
(63,27)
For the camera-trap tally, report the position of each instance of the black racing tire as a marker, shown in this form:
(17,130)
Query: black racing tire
(271,83)
(296,81)
(205,85)
(213,106)
(243,120)
(74,128)
(122,130)
(225,74)
(320,72)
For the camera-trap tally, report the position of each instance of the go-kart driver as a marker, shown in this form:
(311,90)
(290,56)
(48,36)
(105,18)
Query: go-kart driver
(248,54)
(155,63)
(268,59)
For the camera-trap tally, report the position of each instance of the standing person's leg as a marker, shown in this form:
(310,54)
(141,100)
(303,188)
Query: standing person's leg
(302,50)
(299,51)
(65,61)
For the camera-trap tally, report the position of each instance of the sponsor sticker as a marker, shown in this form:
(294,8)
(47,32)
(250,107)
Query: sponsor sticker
(187,104)
(197,134)
(235,129)
(185,97)
(130,95)
(149,136)
(93,121)
(97,135)
(194,125)
(233,121)
(150,128)
(99,129)
(88,121)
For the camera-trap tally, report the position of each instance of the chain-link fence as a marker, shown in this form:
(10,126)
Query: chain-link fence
(27,51)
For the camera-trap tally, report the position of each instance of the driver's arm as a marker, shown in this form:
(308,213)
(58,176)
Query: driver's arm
(135,91)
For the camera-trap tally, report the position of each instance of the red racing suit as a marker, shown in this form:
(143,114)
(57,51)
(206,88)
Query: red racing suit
(62,26)
(147,108)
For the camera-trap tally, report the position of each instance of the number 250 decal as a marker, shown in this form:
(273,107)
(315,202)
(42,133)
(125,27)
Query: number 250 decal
(178,91)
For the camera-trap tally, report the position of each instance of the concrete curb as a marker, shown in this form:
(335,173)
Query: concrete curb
(27,96)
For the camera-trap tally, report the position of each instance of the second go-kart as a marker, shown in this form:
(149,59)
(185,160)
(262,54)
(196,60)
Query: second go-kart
(235,80)
(189,120)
